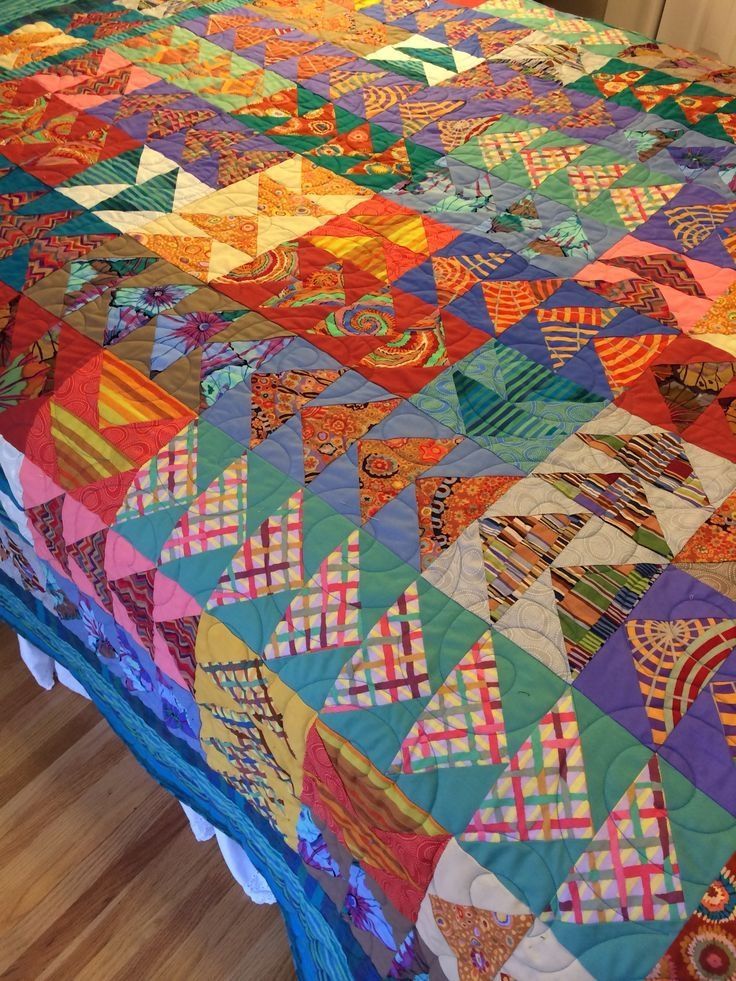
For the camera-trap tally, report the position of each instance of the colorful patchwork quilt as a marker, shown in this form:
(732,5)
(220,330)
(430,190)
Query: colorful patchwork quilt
(368,434)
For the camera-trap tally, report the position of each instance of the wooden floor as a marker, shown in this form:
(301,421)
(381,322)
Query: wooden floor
(100,876)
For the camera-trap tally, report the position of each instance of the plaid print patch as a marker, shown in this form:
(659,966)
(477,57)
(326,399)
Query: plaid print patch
(269,561)
(543,795)
(629,871)
(168,479)
(326,614)
(215,520)
(391,666)
(462,724)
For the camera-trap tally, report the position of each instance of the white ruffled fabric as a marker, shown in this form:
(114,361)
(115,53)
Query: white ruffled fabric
(46,671)
(39,664)
(244,872)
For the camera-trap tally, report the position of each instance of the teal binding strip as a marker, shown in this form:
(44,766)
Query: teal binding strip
(317,954)
(11,10)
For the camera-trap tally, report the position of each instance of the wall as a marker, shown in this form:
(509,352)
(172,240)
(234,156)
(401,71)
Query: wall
(583,8)
(708,25)
(635,15)
(699,25)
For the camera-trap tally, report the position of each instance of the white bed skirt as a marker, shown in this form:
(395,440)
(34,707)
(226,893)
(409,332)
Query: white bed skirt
(47,672)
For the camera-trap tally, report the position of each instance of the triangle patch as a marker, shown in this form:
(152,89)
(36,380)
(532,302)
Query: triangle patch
(715,540)
(619,500)
(624,359)
(215,520)
(270,561)
(479,936)
(637,294)
(543,793)
(629,871)
(610,84)
(326,614)
(693,224)
(517,549)
(455,133)
(566,238)
(509,302)
(542,162)
(447,505)
(462,724)
(391,666)
(588,182)
(704,947)
(328,431)
(648,143)
(665,269)
(674,660)
(566,330)
(135,592)
(275,398)
(168,480)
(89,554)
(387,466)
(593,601)
(650,96)
(724,697)
(180,637)
(498,147)
(46,519)
(689,389)
(658,458)
(635,204)
(156,195)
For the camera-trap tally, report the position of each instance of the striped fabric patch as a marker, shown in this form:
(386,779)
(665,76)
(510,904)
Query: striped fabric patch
(126,396)
(486,415)
(83,455)
(656,457)
(593,602)
(566,330)
(625,358)
(619,500)
(724,696)
(517,550)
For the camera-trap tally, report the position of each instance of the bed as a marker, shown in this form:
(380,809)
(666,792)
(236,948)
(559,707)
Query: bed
(368,444)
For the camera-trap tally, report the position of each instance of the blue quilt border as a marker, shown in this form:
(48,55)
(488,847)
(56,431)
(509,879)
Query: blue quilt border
(319,950)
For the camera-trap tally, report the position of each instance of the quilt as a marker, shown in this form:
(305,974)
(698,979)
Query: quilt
(368,442)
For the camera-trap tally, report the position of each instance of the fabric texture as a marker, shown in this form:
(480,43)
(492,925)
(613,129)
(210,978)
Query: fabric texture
(368,456)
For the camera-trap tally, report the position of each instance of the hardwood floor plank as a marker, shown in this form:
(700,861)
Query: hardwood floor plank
(58,865)
(19,690)
(100,876)
(71,921)
(58,786)
(182,918)
(267,949)
(179,868)
(17,769)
